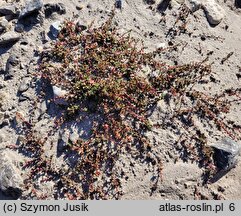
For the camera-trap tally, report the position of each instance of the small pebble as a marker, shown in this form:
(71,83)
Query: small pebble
(19,28)
(24,85)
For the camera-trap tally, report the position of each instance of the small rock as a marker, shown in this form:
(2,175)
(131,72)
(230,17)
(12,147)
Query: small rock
(214,12)
(238,3)
(43,37)
(163,5)
(4,98)
(9,38)
(225,153)
(8,10)
(25,96)
(161,45)
(89,5)
(24,85)
(11,182)
(19,28)
(31,6)
(2,138)
(62,141)
(194,5)
(43,108)
(81,25)
(59,95)
(2,84)
(118,4)
(79,7)
(3,24)
(12,62)
(73,137)
(1,117)
(221,189)
(55,28)
(51,8)
(150,2)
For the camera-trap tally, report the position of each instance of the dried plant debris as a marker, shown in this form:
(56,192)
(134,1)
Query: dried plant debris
(110,81)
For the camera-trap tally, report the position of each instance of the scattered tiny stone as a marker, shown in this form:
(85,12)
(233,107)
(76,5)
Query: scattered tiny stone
(19,28)
(2,84)
(58,95)
(89,5)
(24,41)
(73,137)
(12,62)
(9,38)
(62,141)
(3,24)
(3,119)
(24,85)
(221,189)
(55,28)
(79,7)
(81,25)
(118,4)
(43,108)
(25,96)
(8,10)
(214,12)
(43,37)
(31,7)
(150,2)
(51,8)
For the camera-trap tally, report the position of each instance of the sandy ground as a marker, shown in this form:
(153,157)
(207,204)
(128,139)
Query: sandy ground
(180,180)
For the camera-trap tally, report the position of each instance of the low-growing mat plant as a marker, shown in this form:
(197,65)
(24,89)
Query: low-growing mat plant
(111,77)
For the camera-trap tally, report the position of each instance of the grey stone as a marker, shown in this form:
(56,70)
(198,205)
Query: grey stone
(3,24)
(31,7)
(11,64)
(19,28)
(226,153)
(63,140)
(214,12)
(25,96)
(2,138)
(73,137)
(11,182)
(24,85)
(8,10)
(119,4)
(1,117)
(8,38)
(43,108)
(55,28)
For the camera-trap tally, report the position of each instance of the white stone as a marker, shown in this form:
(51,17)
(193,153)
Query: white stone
(214,12)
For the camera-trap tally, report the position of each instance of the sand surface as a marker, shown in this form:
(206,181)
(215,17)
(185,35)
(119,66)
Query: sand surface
(180,179)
